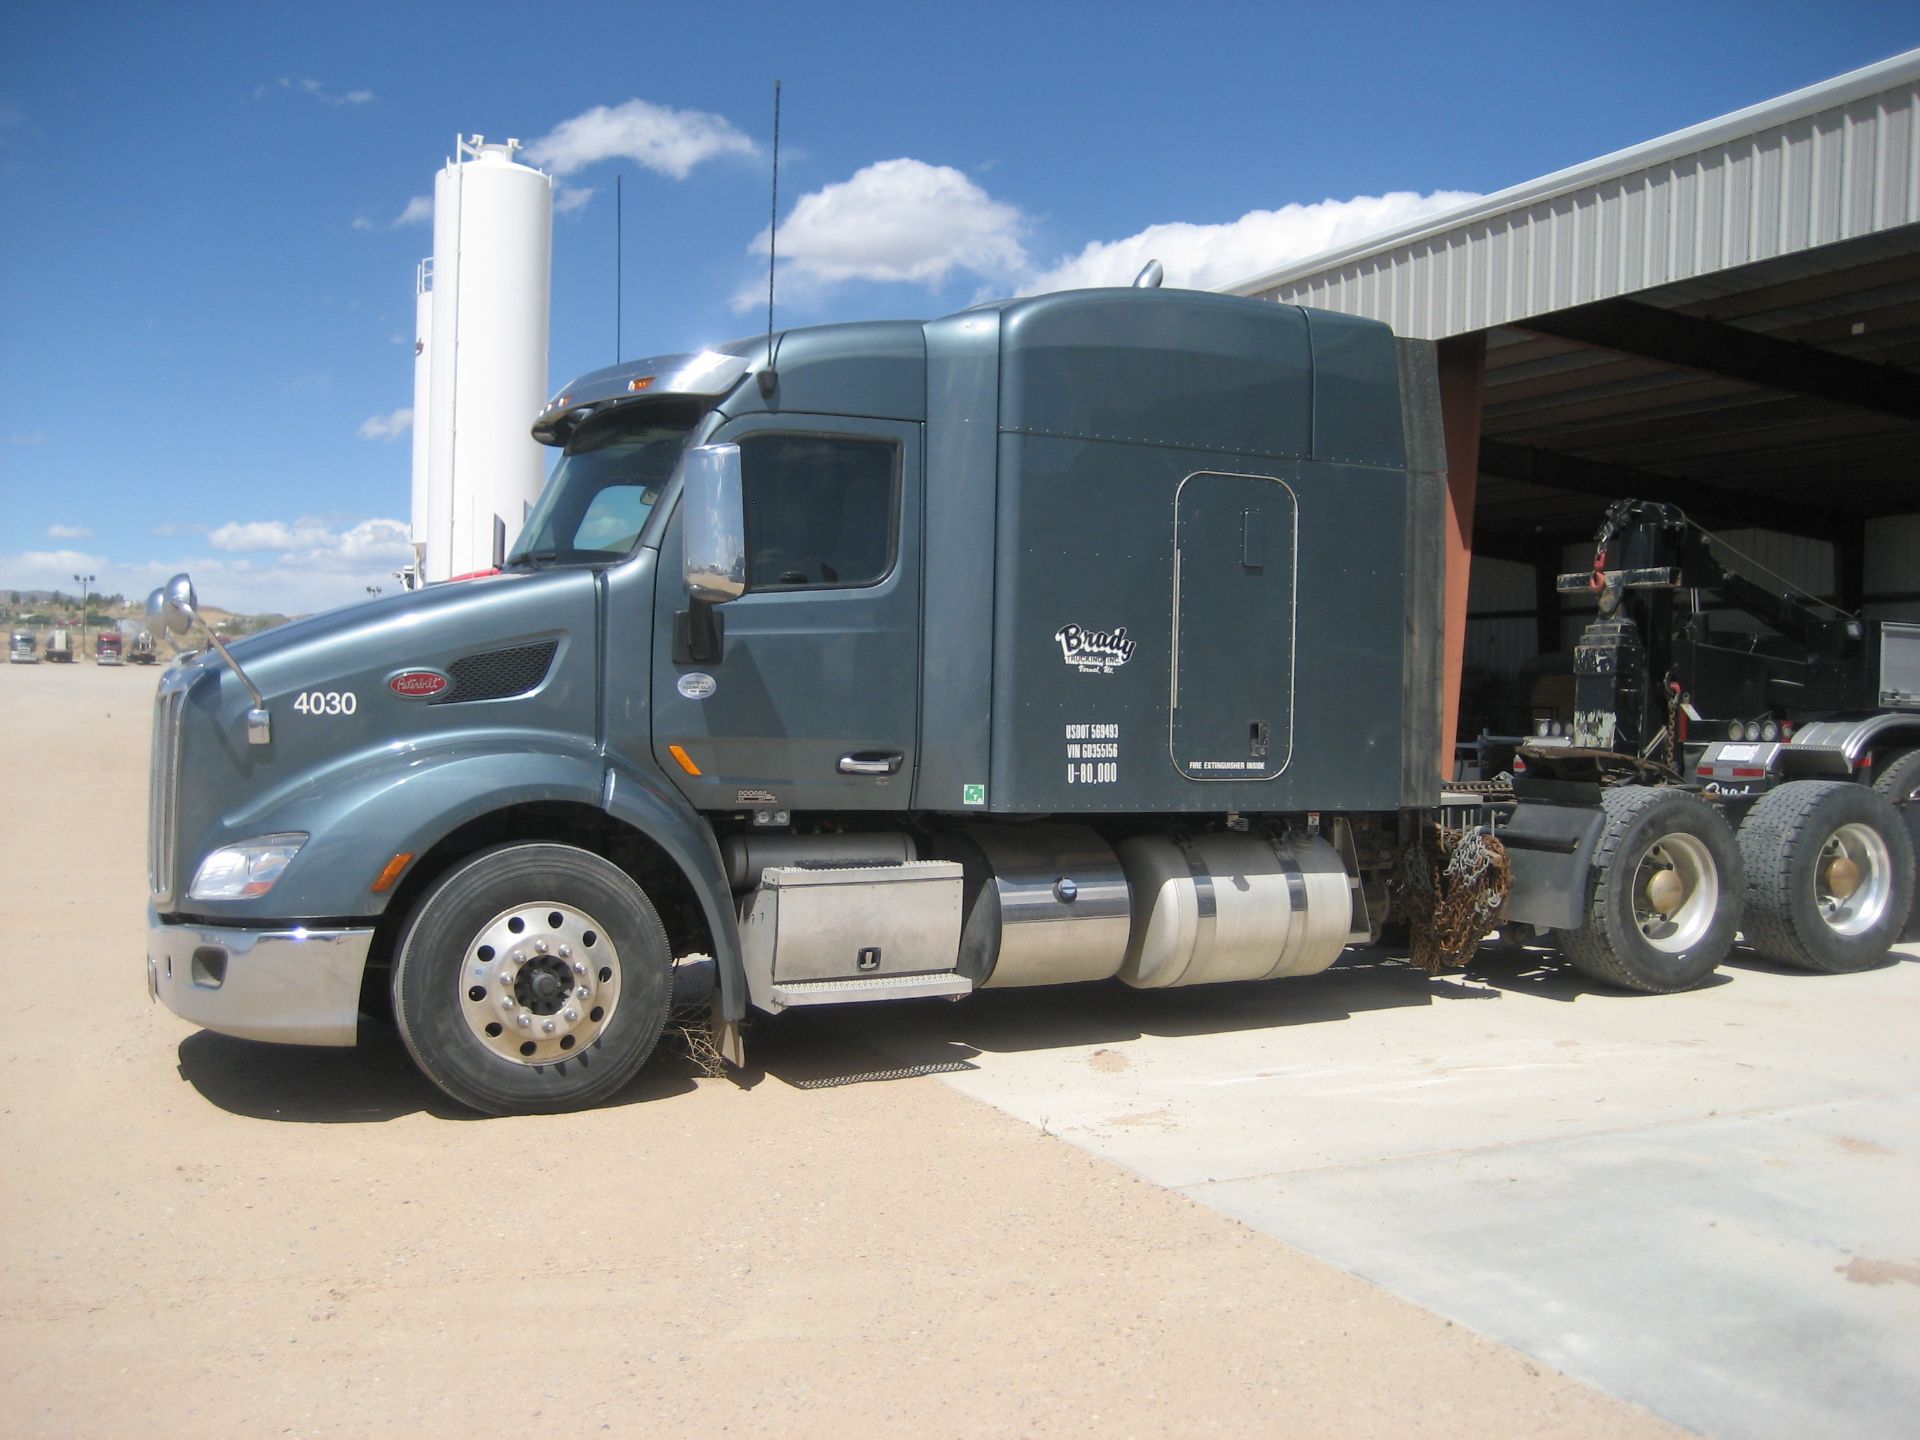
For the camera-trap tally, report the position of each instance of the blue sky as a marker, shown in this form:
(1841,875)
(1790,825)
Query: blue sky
(208,227)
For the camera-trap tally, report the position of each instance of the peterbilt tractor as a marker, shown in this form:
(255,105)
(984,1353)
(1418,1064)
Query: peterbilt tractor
(1082,637)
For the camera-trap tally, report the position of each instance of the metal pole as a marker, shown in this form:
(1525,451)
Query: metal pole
(84,582)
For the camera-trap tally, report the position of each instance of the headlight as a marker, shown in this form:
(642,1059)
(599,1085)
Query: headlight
(239,872)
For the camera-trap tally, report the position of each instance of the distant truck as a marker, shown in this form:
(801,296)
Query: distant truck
(1088,636)
(60,646)
(107,647)
(140,648)
(22,648)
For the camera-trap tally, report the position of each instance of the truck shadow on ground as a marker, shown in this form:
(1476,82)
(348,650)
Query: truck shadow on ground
(376,1081)
(1536,968)
(927,1037)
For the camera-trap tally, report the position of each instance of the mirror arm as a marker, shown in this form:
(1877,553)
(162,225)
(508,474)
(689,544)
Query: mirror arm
(259,722)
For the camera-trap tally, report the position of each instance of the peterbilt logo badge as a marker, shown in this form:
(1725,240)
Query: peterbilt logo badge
(419,684)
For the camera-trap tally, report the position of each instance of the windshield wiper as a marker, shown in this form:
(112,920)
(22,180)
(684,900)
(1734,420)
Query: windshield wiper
(534,559)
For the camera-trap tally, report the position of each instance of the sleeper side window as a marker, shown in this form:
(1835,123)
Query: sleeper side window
(821,510)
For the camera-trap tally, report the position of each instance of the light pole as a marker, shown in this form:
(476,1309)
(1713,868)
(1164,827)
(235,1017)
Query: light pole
(83,581)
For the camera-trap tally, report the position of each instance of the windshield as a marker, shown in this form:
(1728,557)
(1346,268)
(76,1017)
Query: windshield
(604,487)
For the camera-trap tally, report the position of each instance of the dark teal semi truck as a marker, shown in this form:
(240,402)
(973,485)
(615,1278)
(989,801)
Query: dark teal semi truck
(1087,636)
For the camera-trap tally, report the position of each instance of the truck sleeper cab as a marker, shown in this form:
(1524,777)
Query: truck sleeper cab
(1087,636)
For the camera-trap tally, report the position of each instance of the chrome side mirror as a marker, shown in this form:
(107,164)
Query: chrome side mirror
(713,524)
(175,606)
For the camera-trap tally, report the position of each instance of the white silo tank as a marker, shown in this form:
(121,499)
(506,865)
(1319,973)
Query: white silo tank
(486,353)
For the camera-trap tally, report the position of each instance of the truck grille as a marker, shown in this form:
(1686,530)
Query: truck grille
(164,792)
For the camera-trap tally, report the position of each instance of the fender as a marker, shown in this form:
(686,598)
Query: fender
(1853,737)
(399,799)
(393,800)
(662,814)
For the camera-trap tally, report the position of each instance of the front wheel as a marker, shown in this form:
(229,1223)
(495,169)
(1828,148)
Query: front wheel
(1829,875)
(534,978)
(1665,896)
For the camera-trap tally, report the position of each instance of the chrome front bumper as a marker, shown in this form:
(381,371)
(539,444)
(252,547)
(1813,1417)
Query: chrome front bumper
(294,986)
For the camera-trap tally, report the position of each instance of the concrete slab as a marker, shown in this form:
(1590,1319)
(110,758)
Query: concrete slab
(1706,1203)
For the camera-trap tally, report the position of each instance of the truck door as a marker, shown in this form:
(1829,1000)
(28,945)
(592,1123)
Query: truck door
(812,703)
(1234,544)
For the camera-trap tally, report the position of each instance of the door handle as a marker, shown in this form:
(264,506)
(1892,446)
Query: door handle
(871,762)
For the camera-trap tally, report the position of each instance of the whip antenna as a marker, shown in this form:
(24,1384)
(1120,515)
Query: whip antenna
(767,377)
(619,270)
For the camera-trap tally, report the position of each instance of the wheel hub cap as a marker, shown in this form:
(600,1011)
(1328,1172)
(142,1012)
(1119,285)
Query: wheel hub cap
(539,983)
(1853,882)
(1842,878)
(1665,892)
(1676,889)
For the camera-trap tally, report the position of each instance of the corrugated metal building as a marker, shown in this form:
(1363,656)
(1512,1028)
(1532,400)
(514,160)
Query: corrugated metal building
(1727,318)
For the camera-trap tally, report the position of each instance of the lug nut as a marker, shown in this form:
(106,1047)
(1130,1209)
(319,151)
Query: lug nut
(580,993)
(506,977)
(519,957)
(564,951)
(572,1015)
(506,1002)
(579,967)
(541,946)
(547,1025)
(526,1020)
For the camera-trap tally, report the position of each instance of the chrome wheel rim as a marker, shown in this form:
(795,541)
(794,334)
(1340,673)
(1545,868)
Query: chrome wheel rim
(1668,922)
(539,983)
(1852,909)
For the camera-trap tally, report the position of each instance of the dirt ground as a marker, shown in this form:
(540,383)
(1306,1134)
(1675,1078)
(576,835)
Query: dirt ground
(206,1236)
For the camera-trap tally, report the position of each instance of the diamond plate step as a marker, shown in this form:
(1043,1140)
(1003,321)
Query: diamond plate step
(875,987)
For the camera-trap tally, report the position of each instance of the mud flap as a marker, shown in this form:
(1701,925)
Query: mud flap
(1550,848)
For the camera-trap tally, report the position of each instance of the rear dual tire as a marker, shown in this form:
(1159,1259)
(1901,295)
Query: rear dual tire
(1829,875)
(1665,896)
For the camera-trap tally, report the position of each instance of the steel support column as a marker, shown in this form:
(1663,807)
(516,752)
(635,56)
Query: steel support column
(1463,370)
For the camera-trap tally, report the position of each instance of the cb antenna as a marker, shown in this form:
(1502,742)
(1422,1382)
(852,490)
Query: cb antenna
(767,378)
(619,270)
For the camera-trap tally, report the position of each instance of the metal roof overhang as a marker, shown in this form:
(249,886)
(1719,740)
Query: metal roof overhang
(1727,318)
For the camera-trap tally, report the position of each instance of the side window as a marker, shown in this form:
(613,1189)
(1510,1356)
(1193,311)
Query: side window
(821,510)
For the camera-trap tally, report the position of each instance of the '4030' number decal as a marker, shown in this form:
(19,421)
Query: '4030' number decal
(326,702)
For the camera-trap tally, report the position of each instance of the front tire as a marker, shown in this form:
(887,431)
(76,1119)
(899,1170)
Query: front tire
(1666,893)
(1829,875)
(534,978)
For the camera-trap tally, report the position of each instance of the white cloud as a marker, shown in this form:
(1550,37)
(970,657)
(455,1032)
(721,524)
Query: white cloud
(387,427)
(898,220)
(1203,257)
(418,211)
(256,567)
(30,437)
(50,570)
(314,90)
(69,532)
(569,198)
(314,543)
(666,141)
